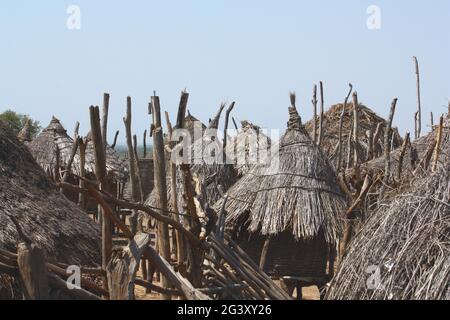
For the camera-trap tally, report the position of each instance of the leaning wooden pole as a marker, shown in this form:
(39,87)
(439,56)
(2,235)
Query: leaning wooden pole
(314,103)
(355,129)
(387,145)
(135,194)
(418,116)
(438,144)
(105,119)
(159,162)
(341,122)
(101,174)
(322,103)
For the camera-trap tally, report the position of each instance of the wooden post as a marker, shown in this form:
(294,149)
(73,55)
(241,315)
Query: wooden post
(225,128)
(113,146)
(314,103)
(101,174)
(123,268)
(132,164)
(160,185)
(431,121)
(341,121)
(355,129)
(235,124)
(387,145)
(319,142)
(438,144)
(418,125)
(406,142)
(264,253)
(144,144)
(138,169)
(82,149)
(105,120)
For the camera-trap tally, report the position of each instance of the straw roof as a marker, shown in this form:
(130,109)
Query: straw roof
(244,148)
(414,153)
(295,192)
(368,120)
(405,245)
(44,149)
(50,220)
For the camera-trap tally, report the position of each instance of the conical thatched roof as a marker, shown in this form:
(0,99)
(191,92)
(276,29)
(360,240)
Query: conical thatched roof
(189,124)
(368,119)
(50,220)
(245,145)
(295,192)
(405,245)
(25,134)
(44,150)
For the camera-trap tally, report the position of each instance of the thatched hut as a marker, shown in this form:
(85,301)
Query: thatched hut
(213,174)
(291,207)
(369,122)
(59,227)
(54,140)
(403,251)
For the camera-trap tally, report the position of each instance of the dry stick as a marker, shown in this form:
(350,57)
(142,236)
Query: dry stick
(68,168)
(319,142)
(78,294)
(355,129)
(438,144)
(419,103)
(431,120)
(264,252)
(387,146)
(406,142)
(341,122)
(76,130)
(144,143)
(376,137)
(177,241)
(225,128)
(135,194)
(349,148)
(105,120)
(138,169)
(234,123)
(314,103)
(101,197)
(370,144)
(113,146)
(101,175)
(160,185)
(82,148)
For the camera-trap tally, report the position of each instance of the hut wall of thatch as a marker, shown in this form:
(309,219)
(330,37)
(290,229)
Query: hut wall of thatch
(294,200)
(59,227)
(402,252)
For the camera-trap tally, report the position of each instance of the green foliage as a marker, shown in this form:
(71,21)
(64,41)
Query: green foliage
(17,121)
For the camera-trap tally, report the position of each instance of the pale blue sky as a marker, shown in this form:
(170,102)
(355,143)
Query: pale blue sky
(253,52)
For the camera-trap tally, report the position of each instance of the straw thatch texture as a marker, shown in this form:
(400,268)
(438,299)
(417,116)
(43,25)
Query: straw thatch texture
(297,191)
(54,137)
(368,120)
(413,155)
(245,147)
(51,221)
(406,242)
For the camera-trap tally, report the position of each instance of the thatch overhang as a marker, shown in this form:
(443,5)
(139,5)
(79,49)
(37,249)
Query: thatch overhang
(59,227)
(296,192)
(405,245)
(54,137)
